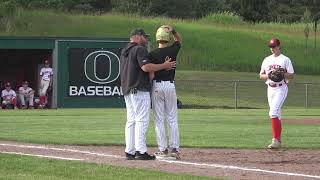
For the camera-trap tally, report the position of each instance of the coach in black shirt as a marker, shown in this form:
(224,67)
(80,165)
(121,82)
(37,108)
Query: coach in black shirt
(135,83)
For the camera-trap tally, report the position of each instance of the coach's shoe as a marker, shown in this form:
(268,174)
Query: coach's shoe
(175,153)
(275,144)
(144,156)
(130,156)
(164,153)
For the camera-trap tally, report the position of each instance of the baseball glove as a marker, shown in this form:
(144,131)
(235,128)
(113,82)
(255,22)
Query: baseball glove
(277,75)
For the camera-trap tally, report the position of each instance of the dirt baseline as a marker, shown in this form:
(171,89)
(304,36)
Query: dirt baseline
(225,163)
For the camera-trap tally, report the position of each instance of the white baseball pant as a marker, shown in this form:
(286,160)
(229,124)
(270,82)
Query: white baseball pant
(23,99)
(276,98)
(44,85)
(138,116)
(164,104)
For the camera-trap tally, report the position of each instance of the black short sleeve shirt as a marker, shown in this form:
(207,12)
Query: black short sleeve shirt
(158,56)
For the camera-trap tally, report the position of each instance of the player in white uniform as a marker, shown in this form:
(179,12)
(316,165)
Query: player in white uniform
(277,91)
(164,98)
(26,94)
(9,97)
(46,74)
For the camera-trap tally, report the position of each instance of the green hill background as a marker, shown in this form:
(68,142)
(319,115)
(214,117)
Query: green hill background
(218,42)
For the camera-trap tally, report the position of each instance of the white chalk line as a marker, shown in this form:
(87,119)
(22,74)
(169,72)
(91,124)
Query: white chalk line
(64,150)
(43,156)
(240,168)
(168,161)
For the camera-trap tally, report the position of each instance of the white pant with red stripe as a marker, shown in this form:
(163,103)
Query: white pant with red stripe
(276,97)
(138,117)
(164,104)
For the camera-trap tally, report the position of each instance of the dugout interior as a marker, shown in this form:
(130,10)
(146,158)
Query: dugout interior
(18,65)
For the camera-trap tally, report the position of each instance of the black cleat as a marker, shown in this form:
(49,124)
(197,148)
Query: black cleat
(130,156)
(144,156)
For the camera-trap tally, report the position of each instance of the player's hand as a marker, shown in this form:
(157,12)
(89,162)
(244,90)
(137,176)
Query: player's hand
(169,64)
(167,27)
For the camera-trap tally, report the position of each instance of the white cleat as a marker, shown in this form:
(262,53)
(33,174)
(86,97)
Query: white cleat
(275,144)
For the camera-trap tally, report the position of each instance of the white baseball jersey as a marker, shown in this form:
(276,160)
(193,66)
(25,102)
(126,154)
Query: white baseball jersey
(271,62)
(8,95)
(45,73)
(277,91)
(25,91)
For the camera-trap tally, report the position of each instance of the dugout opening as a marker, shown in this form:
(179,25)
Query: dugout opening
(18,65)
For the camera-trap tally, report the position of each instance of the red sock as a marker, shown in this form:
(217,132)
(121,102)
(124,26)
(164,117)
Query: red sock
(42,100)
(276,128)
(14,102)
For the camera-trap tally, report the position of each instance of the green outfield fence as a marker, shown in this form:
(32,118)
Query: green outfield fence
(243,94)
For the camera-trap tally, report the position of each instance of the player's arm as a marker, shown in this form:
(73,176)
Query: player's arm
(288,76)
(157,67)
(151,76)
(176,36)
(31,92)
(51,80)
(144,61)
(289,73)
(263,75)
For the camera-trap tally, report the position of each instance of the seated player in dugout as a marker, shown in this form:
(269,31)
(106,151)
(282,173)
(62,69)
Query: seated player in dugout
(26,95)
(46,74)
(9,97)
(164,98)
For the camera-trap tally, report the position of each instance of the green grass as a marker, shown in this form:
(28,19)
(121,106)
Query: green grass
(199,128)
(29,168)
(217,42)
(198,89)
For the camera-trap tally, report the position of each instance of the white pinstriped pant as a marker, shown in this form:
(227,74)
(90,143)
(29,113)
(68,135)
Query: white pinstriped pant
(138,117)
(44,85)
(276,98)
(164,104)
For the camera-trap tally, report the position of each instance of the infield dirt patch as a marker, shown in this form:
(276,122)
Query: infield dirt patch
(198,161)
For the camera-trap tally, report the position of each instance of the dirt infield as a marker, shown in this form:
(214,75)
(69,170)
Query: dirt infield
(226,163)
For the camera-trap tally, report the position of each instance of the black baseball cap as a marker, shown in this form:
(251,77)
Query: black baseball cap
(140,32)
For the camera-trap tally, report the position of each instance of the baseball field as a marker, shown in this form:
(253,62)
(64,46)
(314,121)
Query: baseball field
(216,143)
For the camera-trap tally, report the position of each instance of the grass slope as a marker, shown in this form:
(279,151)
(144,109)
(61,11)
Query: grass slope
(29,168)
(199,128)
(212,43)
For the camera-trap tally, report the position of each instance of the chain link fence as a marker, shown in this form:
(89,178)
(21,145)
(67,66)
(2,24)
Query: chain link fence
(243,94)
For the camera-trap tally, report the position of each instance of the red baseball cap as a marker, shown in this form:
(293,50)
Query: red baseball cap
(274,42)
(46,61)
(7,84)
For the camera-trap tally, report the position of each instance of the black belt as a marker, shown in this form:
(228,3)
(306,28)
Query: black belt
(275,85)
(159,81)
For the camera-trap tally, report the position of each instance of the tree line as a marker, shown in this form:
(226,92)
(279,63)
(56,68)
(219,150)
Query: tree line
(250,10)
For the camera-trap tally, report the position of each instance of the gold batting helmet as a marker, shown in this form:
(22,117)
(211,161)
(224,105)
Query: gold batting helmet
(164,34)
